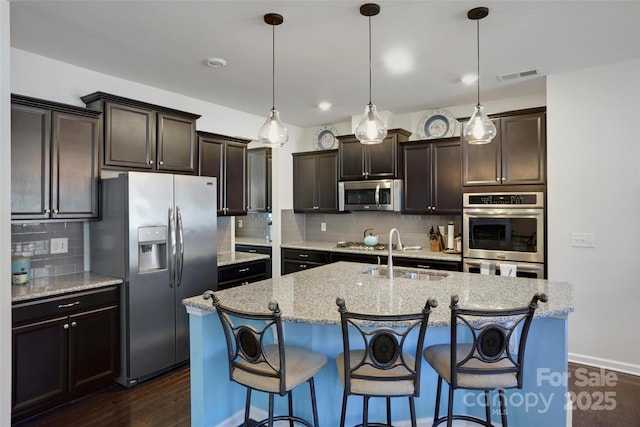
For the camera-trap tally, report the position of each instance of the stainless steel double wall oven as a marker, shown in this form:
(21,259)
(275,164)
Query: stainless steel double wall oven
(504,228)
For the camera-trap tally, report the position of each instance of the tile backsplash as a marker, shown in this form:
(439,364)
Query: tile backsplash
(33,240)
(414,229)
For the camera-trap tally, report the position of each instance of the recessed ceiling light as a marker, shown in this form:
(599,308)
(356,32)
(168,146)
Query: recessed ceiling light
(324,106)
(215,62)
(469,79)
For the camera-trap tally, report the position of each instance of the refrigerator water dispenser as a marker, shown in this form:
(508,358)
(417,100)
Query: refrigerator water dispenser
(152,248)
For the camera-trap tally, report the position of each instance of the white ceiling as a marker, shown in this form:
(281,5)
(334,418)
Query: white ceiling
(322,48)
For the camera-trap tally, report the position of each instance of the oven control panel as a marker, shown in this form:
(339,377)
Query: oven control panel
(530,200)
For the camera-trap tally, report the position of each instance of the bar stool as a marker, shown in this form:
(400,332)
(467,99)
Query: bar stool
(375,364)
(487,363)
(260,360)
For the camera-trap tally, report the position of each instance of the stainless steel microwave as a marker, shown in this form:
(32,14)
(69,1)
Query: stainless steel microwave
(370,195)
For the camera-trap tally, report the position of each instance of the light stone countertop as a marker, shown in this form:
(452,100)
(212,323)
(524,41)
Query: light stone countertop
(309,296)
(423,253)
(58,285)
(233,257)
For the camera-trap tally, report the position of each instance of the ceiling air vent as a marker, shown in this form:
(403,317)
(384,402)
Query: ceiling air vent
(519,74)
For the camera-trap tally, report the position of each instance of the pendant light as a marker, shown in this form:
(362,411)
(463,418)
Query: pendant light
(479,129)
(273,133)
(371,129)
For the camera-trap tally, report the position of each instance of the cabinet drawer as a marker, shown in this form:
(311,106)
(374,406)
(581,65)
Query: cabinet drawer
(235,272)
(64,304)
(305,255)
(428,263)
(295,266)
(254,249)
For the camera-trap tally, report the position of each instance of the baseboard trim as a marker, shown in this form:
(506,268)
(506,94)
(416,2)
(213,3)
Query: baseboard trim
(614,365)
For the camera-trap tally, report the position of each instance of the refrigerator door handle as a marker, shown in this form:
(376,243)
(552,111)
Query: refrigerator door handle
(180,257)
(172,243)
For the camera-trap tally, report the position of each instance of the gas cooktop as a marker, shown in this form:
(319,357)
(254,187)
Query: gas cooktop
(359,246)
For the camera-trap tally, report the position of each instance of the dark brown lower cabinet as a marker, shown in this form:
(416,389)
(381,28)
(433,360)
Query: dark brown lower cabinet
(299,259)
(239,274)
(63,348)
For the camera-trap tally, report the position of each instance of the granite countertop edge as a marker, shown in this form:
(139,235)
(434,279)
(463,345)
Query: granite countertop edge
(234,257)
(308,296)
(44,287)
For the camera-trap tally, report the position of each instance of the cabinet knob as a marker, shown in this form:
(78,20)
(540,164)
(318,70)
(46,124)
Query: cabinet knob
(161,162)
(503,178)
(47,211)
(55,211)
(498,179)
(150,162)
(66,326)
(74,324)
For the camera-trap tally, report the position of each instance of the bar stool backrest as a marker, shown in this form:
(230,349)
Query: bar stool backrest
(248,335)
(384,339)
(492,332)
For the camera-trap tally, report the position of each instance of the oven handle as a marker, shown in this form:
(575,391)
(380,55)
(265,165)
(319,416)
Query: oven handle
(501,213)
(378,196)
(520,266)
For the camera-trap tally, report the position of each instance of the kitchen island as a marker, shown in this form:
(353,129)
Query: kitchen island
(311,318)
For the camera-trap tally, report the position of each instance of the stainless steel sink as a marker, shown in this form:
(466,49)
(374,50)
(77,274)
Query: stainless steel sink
(404,273)
(383,272)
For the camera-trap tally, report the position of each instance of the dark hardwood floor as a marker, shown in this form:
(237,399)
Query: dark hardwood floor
(165,402)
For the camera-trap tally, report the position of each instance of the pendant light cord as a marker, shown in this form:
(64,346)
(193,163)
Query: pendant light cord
(370,61)
(478,55)
(273,66)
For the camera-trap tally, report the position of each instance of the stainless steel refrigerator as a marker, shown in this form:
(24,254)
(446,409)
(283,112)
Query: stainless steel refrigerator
(158,232)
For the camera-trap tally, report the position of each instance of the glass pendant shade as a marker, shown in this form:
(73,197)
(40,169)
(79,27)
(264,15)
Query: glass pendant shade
(273,133)
(371,129)
(479,129)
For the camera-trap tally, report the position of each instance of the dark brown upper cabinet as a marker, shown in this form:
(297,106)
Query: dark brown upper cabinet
(259,187)
(517,155)
(54,160)
(142,136)
(225,158)
(377,161)
(432,176)
(315,181)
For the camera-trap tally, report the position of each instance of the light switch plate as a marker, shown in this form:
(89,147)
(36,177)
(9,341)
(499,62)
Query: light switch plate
(323,226)
(583,240)
(59,245)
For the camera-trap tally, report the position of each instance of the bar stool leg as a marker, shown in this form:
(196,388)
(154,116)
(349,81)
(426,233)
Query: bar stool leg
(437,411)
(290,399)
(365,412)
(247,406)
(314,406)
(344,408)
(503,409)
(270,410)
(450,407)
(487,407)
(388,411)
(412,409)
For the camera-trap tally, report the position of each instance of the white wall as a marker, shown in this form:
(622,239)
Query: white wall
(593,140)
(5,217)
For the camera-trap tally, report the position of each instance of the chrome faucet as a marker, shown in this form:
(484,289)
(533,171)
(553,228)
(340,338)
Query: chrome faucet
(390,261)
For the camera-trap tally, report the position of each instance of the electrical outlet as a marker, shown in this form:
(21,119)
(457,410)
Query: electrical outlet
(239,223)
(583,240)
(323,226)
(60,245)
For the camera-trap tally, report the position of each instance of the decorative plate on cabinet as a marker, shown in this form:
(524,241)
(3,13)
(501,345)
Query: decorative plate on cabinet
(325,138)
(437,124)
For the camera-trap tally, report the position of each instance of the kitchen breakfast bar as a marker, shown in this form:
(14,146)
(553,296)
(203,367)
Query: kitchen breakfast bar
(311,320)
